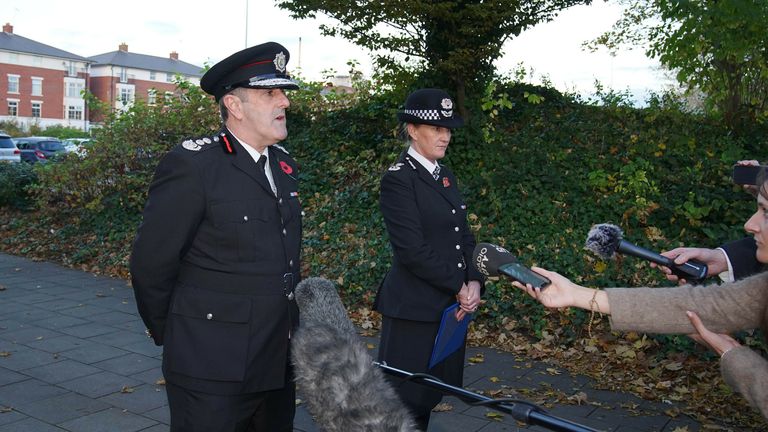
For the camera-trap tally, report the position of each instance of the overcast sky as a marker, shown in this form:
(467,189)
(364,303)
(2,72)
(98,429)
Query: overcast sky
(209,31)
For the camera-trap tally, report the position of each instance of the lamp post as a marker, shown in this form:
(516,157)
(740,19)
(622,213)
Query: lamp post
(246,23)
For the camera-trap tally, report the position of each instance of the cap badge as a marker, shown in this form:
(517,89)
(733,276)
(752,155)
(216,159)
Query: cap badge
(447,105)
(191,145)
(280,62)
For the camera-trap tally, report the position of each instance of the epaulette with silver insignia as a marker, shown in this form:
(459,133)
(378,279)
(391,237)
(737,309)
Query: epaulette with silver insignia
(282,148)
(196,144)
(395,167)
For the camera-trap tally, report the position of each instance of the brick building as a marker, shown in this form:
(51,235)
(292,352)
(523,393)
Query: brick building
(121,77)
(42,85)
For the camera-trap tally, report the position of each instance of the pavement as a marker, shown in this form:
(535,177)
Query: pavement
(74,357)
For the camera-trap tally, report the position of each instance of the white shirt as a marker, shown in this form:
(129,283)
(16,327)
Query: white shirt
(256,155)
(422,160)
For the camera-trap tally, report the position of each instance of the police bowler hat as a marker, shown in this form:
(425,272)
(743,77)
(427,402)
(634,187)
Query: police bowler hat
(260,66)
(432,107)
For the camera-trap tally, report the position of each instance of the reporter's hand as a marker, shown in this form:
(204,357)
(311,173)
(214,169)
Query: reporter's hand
(717,342)
(713,258)
(750,189)
(559,293)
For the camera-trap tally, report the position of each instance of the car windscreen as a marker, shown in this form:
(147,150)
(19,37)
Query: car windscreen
(6,142)
(51,145)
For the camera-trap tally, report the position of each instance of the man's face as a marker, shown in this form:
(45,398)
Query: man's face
(263,113)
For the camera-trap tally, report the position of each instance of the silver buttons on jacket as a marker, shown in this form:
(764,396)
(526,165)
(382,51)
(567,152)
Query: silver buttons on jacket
(209,316)
(460,265)
(458,247)
(456,229)
(245,218)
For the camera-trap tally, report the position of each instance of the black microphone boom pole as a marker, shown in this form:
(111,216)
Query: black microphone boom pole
(525,412)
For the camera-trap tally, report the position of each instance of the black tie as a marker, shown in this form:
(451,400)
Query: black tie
(261,165)
(436,172)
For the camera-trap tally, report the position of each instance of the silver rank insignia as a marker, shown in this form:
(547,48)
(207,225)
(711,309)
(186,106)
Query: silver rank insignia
(191,145)
(396,167)
(447,105)
(280,62)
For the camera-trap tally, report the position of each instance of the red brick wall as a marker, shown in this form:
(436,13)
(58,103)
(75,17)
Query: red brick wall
(53,90)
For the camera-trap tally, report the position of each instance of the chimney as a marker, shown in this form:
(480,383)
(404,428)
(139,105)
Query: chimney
(123,47)
(174,55)
(8,28)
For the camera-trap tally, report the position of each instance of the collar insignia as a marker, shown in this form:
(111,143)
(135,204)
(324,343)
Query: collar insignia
(396,167)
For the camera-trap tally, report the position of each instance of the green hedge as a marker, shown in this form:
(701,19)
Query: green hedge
(536,175)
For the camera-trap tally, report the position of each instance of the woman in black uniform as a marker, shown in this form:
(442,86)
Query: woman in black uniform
(426,219)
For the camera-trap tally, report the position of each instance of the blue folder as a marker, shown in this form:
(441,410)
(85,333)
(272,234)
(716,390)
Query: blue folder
(450,336)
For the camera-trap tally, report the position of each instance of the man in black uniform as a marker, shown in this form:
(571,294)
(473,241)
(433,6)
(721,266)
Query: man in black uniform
(216,258)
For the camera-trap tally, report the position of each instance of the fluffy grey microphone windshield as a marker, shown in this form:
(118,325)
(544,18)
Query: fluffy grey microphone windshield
(603,240)
(334,372)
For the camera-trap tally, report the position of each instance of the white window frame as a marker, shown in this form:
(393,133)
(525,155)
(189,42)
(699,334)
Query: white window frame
(169,77)
(123,75)
(126,95)
(152,76)
(74,112)
(37,84)
(13,78)
(152,97)
(39,106)
(15,104)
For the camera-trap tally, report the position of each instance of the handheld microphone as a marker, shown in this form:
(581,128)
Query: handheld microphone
(492,260)
(606,239)
(334,371)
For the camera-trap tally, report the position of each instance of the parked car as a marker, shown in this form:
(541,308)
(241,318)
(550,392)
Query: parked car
(77,145)
(8,150)
(40,149)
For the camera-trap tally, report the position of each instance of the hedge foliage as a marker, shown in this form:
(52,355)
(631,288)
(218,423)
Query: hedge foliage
(537,169)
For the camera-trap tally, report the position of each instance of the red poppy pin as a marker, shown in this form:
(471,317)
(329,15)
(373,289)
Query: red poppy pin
(286,168)
(446,182)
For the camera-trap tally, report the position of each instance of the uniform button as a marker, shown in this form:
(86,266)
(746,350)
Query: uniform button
(290,263)
(460,265)
(280,201)
(302,213)
(209,316)
(456,229)
(458,247)
(245,218)
(453,211)
(284,231)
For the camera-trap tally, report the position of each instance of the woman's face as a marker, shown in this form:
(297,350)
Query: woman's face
(429,141)
(757,225)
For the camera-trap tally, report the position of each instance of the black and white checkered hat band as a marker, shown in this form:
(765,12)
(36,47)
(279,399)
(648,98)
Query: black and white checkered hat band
(425,114)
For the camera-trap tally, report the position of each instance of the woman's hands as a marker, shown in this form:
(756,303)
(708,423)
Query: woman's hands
(468,298)
(717,342)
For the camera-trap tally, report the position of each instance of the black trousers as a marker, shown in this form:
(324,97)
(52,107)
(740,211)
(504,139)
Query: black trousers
(270,411)
(407,345)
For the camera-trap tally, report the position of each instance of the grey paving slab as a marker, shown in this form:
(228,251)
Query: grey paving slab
(10,415)
(27,313)
(109,420)
(161,414)
(58,343)
(61,408)
(100,384)
(93,353)
(139,399)
(113,317)
(145,347)
(57,321)
(83,310)
(27,333)
(121,338)
(30,425)
(61,371)
(128,364)
(57,304)
(8,376)
(30,390)
(150,376)
(87,330)
(157,428)
(26,358)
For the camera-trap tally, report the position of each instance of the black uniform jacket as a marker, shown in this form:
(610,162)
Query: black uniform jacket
(432,245)
(742,254)
(214,264)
